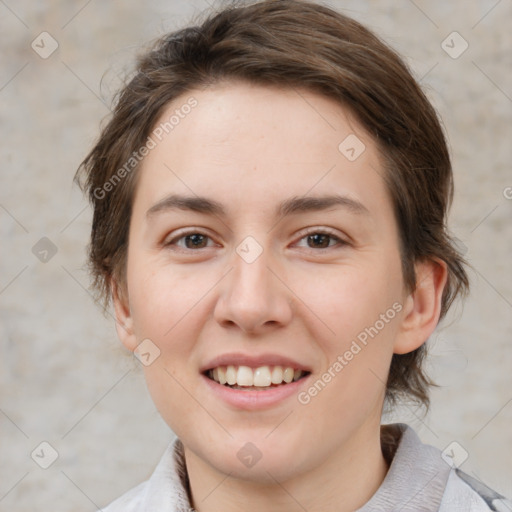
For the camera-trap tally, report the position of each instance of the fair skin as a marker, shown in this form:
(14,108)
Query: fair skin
(304,298)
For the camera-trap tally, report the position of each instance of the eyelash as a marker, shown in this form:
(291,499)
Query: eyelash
(325,232)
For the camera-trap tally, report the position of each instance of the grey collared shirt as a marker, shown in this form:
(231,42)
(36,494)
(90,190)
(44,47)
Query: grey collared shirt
(418,480)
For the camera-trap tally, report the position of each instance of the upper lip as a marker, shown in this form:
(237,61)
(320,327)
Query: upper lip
(253,361)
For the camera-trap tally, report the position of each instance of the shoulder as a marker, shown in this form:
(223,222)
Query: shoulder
(166,490)
(420,478)
(128,502)
(464,492)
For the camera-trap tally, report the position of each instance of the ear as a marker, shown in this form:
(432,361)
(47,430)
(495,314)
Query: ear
(124,321)
(422,306)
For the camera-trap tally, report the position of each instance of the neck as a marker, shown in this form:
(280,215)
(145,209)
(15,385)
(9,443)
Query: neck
(344,482)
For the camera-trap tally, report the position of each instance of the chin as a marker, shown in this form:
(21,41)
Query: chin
(260,461)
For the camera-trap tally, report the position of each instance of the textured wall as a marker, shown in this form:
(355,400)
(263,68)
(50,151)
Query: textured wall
(65,379)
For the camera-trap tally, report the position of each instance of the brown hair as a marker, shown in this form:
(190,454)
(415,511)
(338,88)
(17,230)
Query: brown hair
(297,44)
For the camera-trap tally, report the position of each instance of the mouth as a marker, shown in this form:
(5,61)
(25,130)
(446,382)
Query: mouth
(260,378)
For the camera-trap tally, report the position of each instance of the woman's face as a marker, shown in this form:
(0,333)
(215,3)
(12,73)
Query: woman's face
(263,248)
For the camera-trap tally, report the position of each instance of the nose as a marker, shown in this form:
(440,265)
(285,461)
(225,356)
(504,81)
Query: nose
(253,297)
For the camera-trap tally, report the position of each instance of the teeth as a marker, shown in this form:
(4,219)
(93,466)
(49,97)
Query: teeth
(277,375)
(231,375)
(261,377)
(288,375)
(244,377)
(221,372)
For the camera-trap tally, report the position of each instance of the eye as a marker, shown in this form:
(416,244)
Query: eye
(191,240)
(320,240)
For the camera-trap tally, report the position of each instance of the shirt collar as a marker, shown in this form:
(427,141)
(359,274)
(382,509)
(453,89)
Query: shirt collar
(415,481)
(416,478)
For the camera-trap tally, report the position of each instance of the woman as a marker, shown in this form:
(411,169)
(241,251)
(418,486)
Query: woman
(270,200)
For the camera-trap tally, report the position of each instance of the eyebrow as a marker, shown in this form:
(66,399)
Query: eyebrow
(192,203)
(291,206)
(311,204)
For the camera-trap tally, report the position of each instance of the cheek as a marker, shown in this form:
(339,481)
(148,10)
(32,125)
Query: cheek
(171,393)
(168,307)
(359,308)
(363,312)
(349,299)
(163,299)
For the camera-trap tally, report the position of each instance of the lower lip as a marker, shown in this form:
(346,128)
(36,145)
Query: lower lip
(255,400)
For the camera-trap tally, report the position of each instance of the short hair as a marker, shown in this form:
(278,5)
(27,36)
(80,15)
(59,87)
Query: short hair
(288,44)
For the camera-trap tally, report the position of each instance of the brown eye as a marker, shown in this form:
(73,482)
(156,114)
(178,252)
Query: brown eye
(195,241)
(192,240)
(320,240)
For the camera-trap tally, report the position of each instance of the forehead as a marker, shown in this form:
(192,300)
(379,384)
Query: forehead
(254,145)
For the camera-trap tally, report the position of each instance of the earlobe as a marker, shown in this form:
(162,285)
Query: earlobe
(422,307)
(124,321)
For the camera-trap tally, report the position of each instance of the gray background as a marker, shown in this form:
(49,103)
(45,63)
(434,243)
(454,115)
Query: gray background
(65,378)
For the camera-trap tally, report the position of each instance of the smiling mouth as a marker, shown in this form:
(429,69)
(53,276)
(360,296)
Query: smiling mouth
(251,379)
